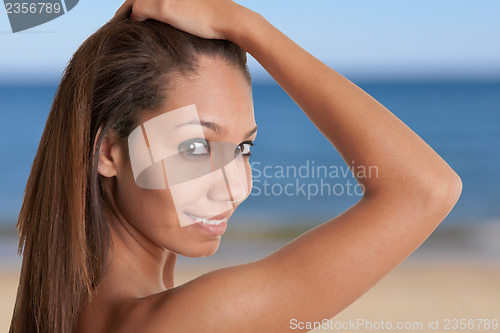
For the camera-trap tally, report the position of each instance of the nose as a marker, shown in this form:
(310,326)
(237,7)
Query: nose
(230,182)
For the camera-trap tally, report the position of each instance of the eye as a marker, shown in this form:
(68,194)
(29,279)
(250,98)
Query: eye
(243,148)
(194,147)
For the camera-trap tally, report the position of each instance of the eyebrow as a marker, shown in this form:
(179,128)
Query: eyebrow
(214,127)
(252,132)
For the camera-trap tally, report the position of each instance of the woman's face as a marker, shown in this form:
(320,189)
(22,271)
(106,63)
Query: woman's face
(222,97)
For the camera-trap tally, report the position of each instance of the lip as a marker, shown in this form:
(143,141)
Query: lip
(213,230)
(221,216)
(224,215)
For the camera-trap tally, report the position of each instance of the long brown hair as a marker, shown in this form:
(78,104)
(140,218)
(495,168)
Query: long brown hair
(119,72)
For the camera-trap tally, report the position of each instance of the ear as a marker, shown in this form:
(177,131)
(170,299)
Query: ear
(108,154)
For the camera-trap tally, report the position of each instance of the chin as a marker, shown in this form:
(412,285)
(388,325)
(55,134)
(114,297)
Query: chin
(200,251)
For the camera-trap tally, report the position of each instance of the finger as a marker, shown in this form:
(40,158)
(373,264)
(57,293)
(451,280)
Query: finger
(125,8)
(142,10)
(135,17)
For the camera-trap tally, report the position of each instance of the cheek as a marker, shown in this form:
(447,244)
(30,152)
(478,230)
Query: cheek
(189,192)
(139,206)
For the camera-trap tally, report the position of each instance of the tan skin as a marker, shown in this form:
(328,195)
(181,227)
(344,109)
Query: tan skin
(316,275)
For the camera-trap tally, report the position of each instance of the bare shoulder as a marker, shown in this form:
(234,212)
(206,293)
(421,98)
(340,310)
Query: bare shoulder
(224,300)
(240,298)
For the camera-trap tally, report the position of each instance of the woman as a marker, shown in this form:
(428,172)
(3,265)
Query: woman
(100,242)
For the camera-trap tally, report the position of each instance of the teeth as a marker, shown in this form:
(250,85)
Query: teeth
(205,221)
(213,222)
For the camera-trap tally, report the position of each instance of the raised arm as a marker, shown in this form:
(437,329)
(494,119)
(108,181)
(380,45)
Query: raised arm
(323,271)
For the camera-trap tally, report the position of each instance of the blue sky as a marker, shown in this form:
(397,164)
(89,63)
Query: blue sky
(363,39)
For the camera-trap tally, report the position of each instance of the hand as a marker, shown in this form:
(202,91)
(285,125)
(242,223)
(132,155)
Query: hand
(211,19)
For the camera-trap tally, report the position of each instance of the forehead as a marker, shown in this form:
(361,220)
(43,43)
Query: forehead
(220,91)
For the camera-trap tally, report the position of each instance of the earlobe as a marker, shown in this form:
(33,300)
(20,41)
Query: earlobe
(107,163)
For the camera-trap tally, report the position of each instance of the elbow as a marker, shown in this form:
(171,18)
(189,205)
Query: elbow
(455,189)
(450,190)
(442,195)
(428,198)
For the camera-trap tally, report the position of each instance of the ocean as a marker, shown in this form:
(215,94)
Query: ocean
(299,178)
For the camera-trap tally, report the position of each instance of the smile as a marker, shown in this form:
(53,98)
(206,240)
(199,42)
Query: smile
(198,219)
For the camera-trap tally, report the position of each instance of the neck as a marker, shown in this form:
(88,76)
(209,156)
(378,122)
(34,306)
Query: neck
(136,267)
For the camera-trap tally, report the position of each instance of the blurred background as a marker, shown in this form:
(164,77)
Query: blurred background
(435,65)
